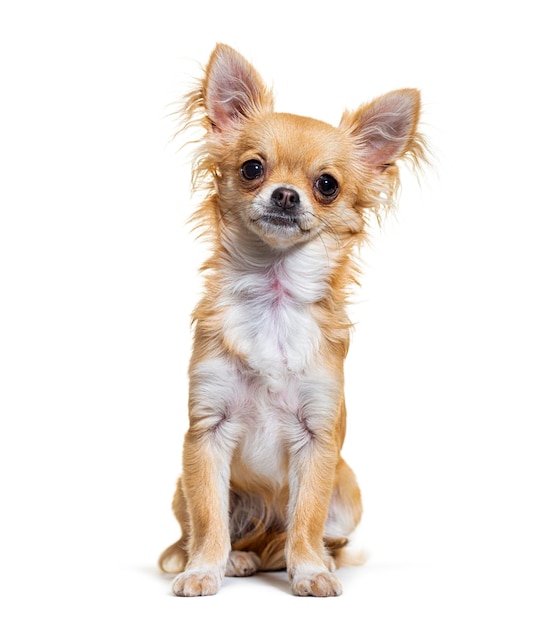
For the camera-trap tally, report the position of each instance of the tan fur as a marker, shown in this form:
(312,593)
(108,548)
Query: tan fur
(236,514)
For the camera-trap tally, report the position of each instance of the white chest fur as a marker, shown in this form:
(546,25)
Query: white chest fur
(269,320)
(271,391)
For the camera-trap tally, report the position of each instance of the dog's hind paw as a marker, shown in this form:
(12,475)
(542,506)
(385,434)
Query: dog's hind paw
(197,583)
(320,584)
(242,563)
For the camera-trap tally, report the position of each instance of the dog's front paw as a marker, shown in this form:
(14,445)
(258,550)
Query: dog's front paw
(242,563)
(197,583)
(315,583)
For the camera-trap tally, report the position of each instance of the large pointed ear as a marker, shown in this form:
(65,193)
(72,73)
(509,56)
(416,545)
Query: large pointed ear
(385,129)
(233,90)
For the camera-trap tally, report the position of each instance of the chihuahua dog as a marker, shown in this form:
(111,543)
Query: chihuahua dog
(287,200)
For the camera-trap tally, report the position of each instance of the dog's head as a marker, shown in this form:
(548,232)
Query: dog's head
(288,179)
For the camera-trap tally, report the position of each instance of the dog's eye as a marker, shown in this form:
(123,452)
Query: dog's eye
(252,169)
(327,186)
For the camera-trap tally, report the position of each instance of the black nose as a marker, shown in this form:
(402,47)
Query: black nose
(285,199)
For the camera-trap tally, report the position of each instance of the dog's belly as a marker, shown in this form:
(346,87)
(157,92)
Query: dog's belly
(267,425)
(261,454)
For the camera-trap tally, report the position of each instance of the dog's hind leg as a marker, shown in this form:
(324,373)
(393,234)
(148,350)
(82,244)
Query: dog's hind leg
(242,563)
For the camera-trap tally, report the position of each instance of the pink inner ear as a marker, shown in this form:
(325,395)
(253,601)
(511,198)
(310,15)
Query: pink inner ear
(234,90)
(228,100)
(385,127)
(222,108)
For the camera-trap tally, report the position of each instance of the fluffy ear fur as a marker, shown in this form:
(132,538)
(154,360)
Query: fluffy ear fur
(385,129)
(233,90)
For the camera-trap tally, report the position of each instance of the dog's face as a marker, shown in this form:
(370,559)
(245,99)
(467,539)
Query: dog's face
(288,179)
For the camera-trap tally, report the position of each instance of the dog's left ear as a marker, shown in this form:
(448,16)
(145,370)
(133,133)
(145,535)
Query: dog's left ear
(233,90)
(384,129)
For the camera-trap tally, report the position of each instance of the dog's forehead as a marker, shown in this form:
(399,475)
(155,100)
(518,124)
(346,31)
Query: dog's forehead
(286,137)
(289,122)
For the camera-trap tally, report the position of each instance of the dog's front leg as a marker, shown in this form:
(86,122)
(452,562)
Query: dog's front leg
(312,472)
(205,484)
(208,449)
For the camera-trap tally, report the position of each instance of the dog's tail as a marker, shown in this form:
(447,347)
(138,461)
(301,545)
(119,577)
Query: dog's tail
(270,547)
(173,560)
(343,554)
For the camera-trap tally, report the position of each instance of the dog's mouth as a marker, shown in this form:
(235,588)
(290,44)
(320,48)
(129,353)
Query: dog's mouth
(282,220)
(281,229)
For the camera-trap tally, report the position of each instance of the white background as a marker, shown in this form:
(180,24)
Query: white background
(452,375)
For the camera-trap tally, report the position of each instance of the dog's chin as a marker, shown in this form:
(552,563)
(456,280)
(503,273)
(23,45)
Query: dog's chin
(282,230)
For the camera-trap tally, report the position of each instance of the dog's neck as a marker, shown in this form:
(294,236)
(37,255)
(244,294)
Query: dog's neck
(302,273)
(267,301)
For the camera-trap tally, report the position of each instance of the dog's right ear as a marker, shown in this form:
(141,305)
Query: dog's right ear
(233,91)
